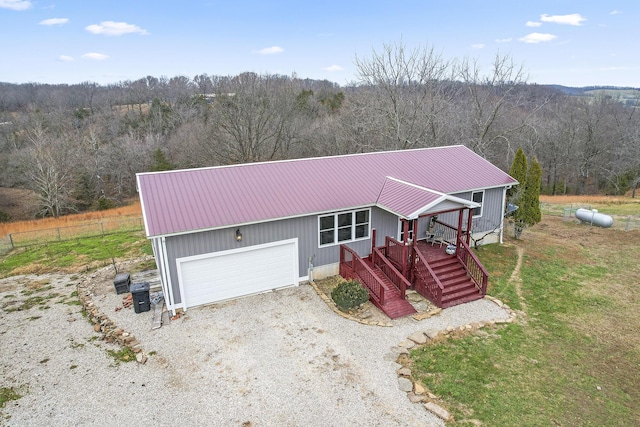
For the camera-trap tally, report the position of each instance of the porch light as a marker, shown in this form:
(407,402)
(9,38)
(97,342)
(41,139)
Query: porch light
(238,235)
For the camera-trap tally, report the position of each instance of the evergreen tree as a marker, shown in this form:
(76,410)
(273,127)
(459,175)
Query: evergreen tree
(160,162)
(528,212)
(519,172)
(532,194)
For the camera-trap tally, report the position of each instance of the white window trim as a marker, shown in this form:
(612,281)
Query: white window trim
(400,230)
(481,203)
(353,228)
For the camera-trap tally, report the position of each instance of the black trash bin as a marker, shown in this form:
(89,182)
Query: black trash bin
(121,282)
(140,297)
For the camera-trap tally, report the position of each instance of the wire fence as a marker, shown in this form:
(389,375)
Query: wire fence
(568,213)
(59,234)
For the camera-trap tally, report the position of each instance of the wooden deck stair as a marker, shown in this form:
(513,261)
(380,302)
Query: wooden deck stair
(394,306)
(458,288)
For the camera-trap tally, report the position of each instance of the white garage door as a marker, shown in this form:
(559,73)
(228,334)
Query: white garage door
(230,274)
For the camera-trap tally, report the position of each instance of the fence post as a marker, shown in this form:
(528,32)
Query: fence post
(59,239)
(101,229)
(626,228)
(11,241)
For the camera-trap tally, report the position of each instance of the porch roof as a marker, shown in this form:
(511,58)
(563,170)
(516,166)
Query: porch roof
(409,201)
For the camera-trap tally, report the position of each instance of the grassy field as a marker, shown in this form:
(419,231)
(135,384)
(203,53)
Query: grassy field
(611,205)
(573,358)
(131,210)
(73,256)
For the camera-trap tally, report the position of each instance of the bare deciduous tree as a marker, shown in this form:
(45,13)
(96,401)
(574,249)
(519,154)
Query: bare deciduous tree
(404,95)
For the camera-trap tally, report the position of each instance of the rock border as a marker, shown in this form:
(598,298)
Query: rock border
(332,306)
(111,333)
(418,393)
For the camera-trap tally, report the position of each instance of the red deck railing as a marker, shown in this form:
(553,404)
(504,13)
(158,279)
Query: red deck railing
(425,279)
(354,267)
(396,277)
(472,265)
(395,251)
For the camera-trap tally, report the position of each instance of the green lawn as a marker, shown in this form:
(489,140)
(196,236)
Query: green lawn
(573,358)
(75,255)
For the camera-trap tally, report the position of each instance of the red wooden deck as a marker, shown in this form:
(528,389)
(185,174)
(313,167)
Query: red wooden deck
(458,287)
(438,276)
(394,305)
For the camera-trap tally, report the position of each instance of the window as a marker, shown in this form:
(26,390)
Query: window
(478,197)
(343,227)
(401,225)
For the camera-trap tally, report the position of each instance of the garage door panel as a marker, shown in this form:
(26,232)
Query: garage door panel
(226,275)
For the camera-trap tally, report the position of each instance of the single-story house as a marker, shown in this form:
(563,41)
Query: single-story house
(223,232)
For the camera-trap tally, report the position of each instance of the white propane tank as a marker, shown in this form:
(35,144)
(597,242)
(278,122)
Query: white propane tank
(594,217)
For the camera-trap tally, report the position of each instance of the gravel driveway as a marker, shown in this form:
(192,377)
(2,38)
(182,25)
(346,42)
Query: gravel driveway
(278,359)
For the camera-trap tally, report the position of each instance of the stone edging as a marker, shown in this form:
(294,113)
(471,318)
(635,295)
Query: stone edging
(102,323)
(336,310)
(416,392)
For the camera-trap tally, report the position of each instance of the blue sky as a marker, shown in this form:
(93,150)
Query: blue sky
(574,43)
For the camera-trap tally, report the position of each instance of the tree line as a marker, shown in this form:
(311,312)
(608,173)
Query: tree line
(79,146)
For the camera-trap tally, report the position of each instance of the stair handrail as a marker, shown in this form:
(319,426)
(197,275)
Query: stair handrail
(433,286)
(472,265)
(365,274)
(398,280)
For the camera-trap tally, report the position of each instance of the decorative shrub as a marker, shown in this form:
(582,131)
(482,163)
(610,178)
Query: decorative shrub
(349,294)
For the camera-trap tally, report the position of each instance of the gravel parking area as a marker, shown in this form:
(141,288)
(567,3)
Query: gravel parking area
(278,359)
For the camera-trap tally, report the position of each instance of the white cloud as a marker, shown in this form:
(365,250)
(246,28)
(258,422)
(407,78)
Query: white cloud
(65,58)
(54,21)
(269,50)
(572,19)
(332,68)
(15,4)
(533,24)
(537,38)
(507,40)
(95,56)
(477,46)
(615,12)
(110,28)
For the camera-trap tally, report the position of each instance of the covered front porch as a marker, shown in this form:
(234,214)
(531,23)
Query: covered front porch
(431,256)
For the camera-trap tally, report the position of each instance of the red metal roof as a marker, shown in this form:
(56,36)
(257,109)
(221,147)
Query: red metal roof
(199,199)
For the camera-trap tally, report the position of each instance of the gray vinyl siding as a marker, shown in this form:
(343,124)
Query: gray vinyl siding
(305,229)
(492,209)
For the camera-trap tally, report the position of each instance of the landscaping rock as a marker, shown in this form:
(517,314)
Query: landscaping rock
(418,338)
(405,384)
(405,372)
(407,344)
(438,410)
(432,333)
(418,388)
(414,398)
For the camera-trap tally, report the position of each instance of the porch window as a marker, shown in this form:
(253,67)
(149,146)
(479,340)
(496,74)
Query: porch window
(343,227)
(478,197)
(401,225)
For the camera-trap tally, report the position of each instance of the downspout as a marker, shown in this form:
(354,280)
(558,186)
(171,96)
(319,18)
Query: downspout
(504,206)
(167,277)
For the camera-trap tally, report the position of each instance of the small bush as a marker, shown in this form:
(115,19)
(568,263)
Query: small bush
(349,294)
